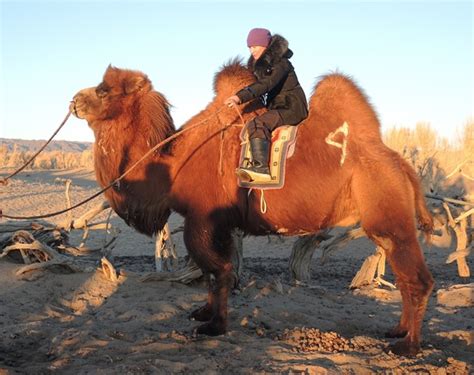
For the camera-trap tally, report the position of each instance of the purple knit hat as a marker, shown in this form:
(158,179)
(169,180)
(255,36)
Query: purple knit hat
(259,37)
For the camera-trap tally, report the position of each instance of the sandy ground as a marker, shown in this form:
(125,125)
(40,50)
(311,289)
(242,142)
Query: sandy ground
(81,323)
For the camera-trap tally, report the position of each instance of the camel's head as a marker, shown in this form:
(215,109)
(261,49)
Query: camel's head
(112,97)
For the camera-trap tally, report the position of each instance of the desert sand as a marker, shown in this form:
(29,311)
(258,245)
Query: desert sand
(82,323)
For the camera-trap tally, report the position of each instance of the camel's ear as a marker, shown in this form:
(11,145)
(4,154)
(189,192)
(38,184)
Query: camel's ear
(109,68)
(134,84)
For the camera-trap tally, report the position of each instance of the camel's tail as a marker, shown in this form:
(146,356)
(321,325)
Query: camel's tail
(423,215)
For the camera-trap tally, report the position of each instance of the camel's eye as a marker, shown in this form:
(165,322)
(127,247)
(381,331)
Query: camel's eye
(102,90)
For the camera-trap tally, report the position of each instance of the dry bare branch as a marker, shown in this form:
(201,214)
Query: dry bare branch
(459,226)
(67,182)
(109,270)
(184,275)
(66,264)
(106,251)
(341,240)
(301,255)
(457,202)
(458,169)
(238,258)
(14,226)
(83,221)
(166,258)
(178,229)
(366,275)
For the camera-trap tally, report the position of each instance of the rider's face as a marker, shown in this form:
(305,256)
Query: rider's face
(257,51)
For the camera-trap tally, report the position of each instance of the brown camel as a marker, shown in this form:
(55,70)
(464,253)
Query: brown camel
(194,176)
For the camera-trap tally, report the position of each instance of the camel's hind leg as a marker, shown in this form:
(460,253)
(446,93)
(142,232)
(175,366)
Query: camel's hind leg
(401,329)
(388,199)
(415,283)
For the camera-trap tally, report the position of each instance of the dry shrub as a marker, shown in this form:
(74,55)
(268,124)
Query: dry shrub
(15,158)
(46,159)
(445,167)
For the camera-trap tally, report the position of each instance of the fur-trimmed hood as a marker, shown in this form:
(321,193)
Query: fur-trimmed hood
(277,49)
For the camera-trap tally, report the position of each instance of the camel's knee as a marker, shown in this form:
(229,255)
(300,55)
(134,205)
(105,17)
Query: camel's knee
(419,284)
(423,277)
(224,276)
(410,268)
(426,281)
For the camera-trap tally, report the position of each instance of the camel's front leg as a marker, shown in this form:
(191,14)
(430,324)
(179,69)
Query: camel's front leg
(217,325)
(204,313)
(211,248)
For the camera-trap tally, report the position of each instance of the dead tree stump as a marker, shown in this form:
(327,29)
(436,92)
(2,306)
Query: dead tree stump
(460,228)
(301,255)
(238,257)
(372,266)
(166,258)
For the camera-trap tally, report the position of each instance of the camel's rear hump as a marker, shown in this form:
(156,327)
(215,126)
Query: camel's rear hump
(337,99)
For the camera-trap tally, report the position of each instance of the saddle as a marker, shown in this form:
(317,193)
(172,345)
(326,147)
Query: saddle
(281,149)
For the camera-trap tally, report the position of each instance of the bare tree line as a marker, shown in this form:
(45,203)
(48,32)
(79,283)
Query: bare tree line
(47,159)
(430,153)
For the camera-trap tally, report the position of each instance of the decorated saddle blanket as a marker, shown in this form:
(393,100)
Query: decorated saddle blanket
(282,148)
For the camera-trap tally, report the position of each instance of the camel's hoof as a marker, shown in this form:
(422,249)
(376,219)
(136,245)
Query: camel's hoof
(210,329)
(404,348)
(396,332)
(203,314)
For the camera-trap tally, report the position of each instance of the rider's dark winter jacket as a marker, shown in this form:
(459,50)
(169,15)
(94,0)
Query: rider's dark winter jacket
(277,83)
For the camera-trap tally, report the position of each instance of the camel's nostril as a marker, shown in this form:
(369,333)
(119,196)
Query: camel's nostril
(72,107)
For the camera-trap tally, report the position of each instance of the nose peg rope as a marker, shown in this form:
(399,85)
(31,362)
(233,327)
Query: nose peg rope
(4,180)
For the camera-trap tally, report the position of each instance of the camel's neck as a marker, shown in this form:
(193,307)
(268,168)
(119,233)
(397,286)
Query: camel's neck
(141,197)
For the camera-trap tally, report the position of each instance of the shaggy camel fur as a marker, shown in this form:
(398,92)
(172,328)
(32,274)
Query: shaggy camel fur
(194,176)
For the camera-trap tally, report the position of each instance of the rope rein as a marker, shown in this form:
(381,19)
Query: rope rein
(4,181)
(114,182)
(223,129)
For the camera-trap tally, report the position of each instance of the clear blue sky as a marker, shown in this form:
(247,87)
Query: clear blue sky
(413,59)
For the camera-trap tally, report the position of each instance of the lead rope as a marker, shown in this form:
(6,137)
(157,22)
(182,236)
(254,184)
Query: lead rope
(4,181)
(224,128)
(114,182)
(240,115)
(263,203)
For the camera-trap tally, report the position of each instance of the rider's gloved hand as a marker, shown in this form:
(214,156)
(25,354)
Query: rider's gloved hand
(233,100)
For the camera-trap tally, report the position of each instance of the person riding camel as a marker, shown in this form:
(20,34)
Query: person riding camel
(278,87)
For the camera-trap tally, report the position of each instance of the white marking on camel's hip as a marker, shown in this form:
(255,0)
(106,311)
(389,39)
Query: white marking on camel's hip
(344,129)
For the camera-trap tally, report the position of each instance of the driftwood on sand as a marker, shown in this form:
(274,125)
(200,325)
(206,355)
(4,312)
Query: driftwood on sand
(460,227)
(39,256)
(371,271)
(42,246)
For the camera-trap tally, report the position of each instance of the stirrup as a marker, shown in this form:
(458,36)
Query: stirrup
(249,175)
